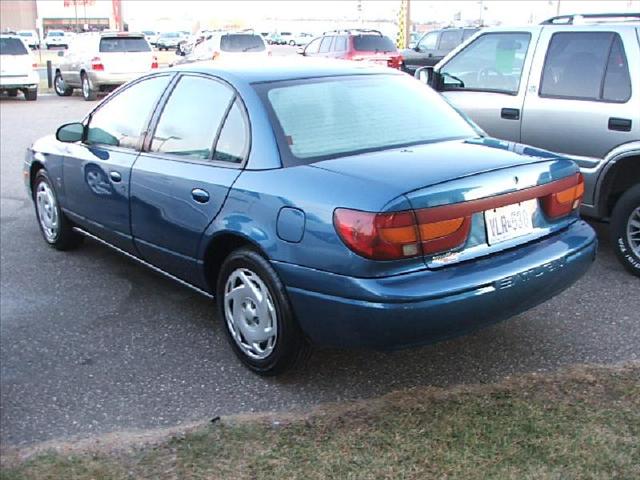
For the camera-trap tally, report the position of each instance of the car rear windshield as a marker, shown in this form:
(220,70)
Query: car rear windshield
(241,43)
(324,118)
(373,43)
(12,46)
(124,44)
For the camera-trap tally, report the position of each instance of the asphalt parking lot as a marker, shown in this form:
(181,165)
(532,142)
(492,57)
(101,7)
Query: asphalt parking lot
(92,342)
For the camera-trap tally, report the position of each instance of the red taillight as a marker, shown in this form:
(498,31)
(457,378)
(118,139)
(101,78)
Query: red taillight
(562,203)
(379,236)
(96,64)
(34,65)
(154,62)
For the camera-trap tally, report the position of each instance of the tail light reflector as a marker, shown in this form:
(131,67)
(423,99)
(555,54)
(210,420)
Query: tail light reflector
(96,64)
(562,203)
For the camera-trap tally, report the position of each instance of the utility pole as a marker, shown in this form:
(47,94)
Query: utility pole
(558,9)
(407,24)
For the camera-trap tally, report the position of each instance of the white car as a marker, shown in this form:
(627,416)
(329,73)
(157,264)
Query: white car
(57,38)
(151,36)
(17,68)
(30,37)
(100,62)
(229,45)
(301,39)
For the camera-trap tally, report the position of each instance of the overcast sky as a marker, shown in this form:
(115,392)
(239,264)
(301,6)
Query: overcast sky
(510,12)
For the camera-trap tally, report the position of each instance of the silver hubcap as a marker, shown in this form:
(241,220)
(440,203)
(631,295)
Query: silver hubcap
(85,86)
(250,313)
(59,84)
(47,211)
(633,231)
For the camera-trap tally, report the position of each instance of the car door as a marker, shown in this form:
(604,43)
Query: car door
(487,80)
(423,54)
(181,180)
(580,101)
(325,47)
(96,172)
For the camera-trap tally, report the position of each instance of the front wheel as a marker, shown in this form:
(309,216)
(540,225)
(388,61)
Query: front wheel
(88,92)
(61,88)
(258,319)
(625,229)
(54,225)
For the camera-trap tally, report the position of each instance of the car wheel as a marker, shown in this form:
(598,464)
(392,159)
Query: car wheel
(625,229)
(30,95)
(54,225)
(60,86)
(292,43)
(257,317)
(87,90)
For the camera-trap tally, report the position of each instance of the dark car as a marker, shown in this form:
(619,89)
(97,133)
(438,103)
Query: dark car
(433,47)
(330,203)
(360,45)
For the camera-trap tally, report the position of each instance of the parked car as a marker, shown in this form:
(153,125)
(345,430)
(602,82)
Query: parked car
(151,36)
(275,39)
(220,46)
(30,37)
(100,62)
(358,45)
(433,46)
(17,68)
(57,38)
(300,39)
(334,203)
(169,40)
(286,38)
(570,88)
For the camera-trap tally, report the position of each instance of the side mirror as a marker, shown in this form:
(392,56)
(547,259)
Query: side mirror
(430,77)
(70,132)
(300,51)
(61,53)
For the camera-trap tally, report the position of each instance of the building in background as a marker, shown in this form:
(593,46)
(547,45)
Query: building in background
(18,15)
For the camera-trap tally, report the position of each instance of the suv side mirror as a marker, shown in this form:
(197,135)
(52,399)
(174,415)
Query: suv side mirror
(429,76)
(70,132)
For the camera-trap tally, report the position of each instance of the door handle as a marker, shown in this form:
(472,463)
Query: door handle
(510,113)
(620,124)
(115,176)
(199,195)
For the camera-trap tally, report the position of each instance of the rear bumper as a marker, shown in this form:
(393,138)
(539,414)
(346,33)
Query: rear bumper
(432,305)
(105,78)
(30,81)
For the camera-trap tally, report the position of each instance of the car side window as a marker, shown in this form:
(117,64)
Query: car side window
(340,44)
(449,39)
(121,121)
(617,83)
(191,118)
(325,45)
(232,142)
(313,46)
(467,33)
(428,42)
(492,62)
(575,65)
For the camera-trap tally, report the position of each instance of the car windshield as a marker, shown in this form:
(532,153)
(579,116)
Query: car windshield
(25,34)
(373,43)
(124,44)
(12,46)
(241,43)
(337,116)
(55,34)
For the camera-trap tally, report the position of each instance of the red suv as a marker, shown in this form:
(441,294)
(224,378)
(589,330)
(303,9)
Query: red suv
(364,45)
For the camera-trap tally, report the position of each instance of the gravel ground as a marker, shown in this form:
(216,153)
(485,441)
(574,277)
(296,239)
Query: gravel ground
(93,343)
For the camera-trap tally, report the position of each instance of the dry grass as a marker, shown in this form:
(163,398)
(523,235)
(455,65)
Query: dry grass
(583,423)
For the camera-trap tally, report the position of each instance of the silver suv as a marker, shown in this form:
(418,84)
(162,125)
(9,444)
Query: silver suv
(100,62)
(570,85)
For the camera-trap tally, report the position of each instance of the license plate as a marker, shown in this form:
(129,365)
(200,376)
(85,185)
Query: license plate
(510,221)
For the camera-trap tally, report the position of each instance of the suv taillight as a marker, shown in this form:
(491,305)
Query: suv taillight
(154,62)
(96,64)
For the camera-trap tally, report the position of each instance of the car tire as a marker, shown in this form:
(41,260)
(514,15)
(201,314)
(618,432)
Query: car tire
(292,43)
(266,299)
(30,95)
(61,88)
(88,92)
(625,229)
(56,229)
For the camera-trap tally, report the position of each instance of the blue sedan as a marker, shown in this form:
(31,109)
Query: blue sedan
(320,203)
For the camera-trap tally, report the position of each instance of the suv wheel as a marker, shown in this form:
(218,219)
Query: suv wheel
(61,88)
(257,316)
(625,229)
(87,90)
(30,95)
(54,225)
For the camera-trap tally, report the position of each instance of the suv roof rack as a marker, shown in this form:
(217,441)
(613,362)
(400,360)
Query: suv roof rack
(571,19)
(353,30)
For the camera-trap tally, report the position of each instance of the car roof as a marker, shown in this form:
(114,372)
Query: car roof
(274,69)
(599,26)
